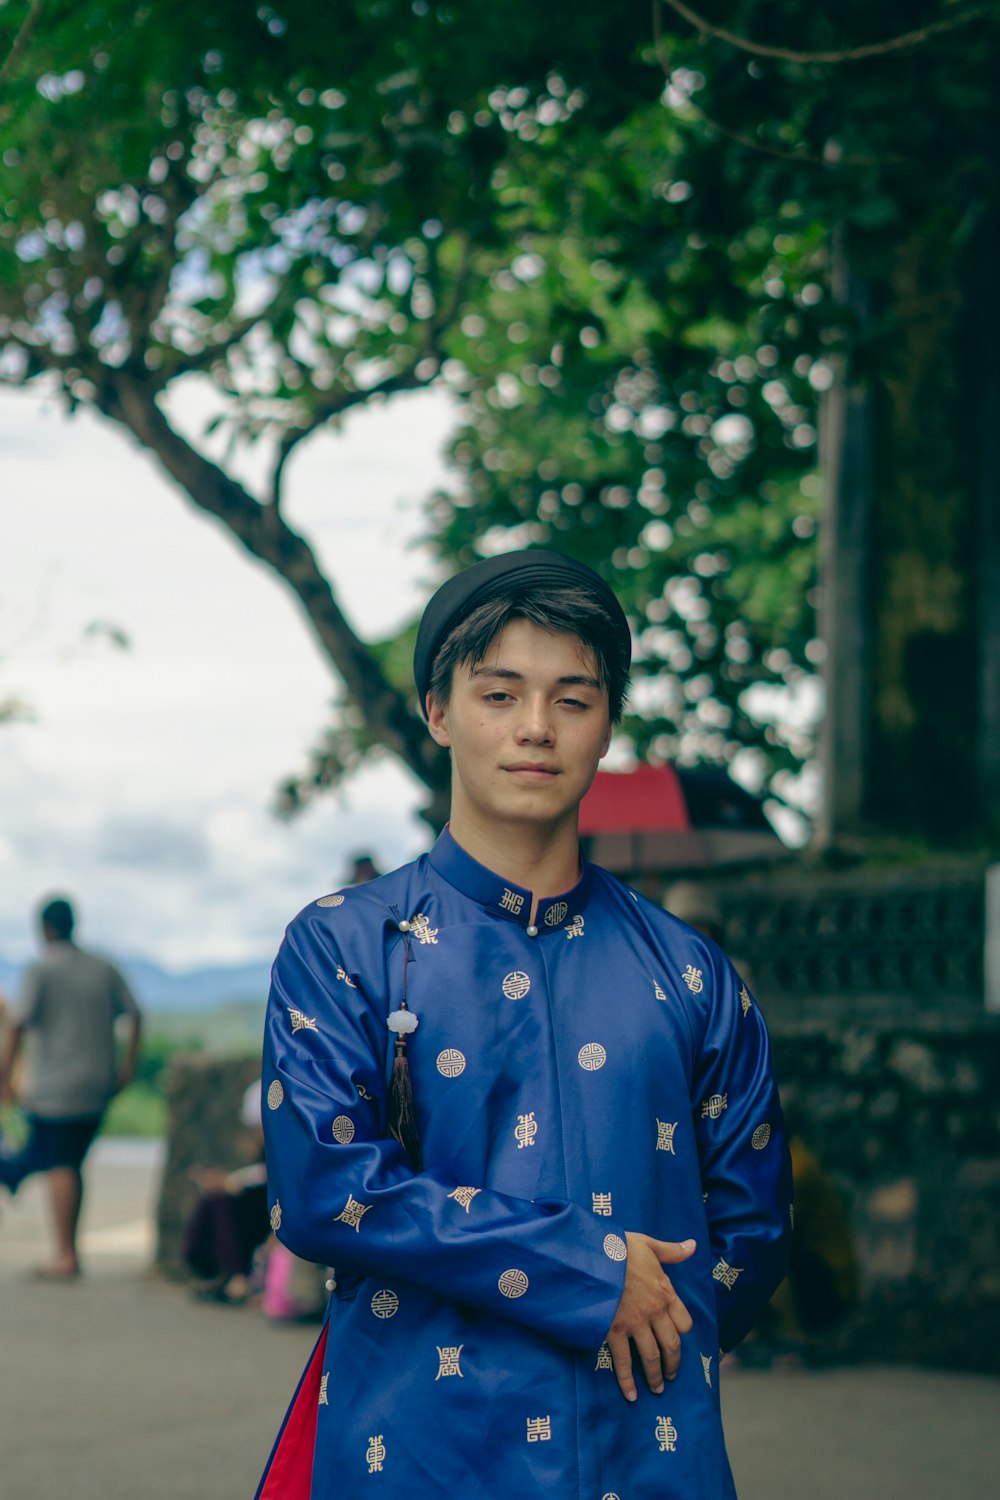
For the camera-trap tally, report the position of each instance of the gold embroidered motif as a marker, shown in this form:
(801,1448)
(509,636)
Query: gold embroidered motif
(555,914)
(342,974)
(343,1129)
(666,1435)
(525,1130)
(615,1247)
(422,930)
(575,928)
(658,991)
(363,1092)
(450,1062)
(511,901)
(352,1213)
(745,1000)
(324,1381)
(692,977)
(602,1204)
(448,1361)
(513,1283)
(760,1137)
(611,1496)
(539,1429)
(713,1107)
(591,1056)
(302,1022)
(706,1365)
(516,985)
(665,1136)
(604,1360)
(727,1274)
(275,1095)
(463,1196)
(276,1216)
(385,1304)
(336,900)
(375,1456)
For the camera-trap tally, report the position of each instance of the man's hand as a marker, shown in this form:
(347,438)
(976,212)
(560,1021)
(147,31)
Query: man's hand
(650,1314)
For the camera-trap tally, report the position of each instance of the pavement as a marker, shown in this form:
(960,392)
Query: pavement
(121,1387)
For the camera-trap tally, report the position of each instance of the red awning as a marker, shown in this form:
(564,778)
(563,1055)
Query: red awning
(649,799)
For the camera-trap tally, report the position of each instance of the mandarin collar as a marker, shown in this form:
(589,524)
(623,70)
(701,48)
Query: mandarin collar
(502,898)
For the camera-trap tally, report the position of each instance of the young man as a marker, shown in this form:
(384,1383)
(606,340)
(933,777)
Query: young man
(67,1012)
(531,1301)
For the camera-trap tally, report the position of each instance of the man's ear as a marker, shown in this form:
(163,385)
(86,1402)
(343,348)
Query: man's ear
(437,721)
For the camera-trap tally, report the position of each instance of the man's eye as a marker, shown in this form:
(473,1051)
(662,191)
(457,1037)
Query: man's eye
(498,696)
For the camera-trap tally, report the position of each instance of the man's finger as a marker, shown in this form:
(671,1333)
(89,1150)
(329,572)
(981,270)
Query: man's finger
(676,1310)
(669,1340)
(649,1351)
(669,1252)
(621,1360)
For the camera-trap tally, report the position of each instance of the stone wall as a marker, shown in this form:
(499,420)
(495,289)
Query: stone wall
(902,1113)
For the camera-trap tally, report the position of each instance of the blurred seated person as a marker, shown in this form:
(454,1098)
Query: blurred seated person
(230,1219)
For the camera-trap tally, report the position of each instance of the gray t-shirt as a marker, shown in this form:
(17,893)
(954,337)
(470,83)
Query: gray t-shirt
(69,1003)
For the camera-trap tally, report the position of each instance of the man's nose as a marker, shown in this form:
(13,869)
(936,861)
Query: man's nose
(534,725)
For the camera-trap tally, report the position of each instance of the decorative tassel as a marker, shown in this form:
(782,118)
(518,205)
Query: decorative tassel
(402,1118)
(402,1115)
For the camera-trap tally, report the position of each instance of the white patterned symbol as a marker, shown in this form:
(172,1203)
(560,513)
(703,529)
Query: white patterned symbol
(513,1283)
(525,1130)
(611,1496)
(591,1056)
(692,977)
(385,1304)
(463,1196)
(324,1399)
(276,1217)
(422,930)
(375,1456)
(336,900)
(555,914)
(450,1062)
(665,1136)
(575,928)
(602,1204)
(512,901)
(706,1365)
(275,1095)
(539,1429)
(615,1247)
(448,1360)
(658,991)
(301,1022)
(343,1129)
(713,1107)
(727,1274)
(604,1360)
(760,1137)
(352,1213)
(745,1000)
(666,1435)
(516,985)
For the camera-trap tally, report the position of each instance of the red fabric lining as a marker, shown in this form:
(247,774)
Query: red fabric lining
(289,1473)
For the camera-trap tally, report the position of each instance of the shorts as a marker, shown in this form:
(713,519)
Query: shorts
(50,1144)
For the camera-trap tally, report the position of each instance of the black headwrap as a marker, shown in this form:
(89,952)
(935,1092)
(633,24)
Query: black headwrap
(456,599)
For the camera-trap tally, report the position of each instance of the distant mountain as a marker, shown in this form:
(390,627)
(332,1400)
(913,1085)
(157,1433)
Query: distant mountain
(158,989)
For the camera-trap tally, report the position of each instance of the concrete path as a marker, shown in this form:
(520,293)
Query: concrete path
(120,1387)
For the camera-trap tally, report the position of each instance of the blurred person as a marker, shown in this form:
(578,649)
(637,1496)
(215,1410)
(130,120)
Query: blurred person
(506,1096)
(65,1021)
(229,1221)
(363,869)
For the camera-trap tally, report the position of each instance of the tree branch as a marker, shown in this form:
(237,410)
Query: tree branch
(20,42)
(850,54)
(335,406)
(129,400)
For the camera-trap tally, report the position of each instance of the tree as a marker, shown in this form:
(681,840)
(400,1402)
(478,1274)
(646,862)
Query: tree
(608,231)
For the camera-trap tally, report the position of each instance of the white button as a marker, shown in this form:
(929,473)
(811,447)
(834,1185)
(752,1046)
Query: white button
(532,930)
(331,1285)
(404,926)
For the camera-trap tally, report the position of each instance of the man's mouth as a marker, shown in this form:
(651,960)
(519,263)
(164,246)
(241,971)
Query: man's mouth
(532,771)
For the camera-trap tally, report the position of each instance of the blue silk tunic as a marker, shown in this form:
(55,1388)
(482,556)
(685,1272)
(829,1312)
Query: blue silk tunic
(609,1072)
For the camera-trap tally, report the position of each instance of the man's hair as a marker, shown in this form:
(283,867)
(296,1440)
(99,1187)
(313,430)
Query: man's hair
(57,916)
(563,609)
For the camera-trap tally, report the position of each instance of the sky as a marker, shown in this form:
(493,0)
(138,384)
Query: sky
(141,784)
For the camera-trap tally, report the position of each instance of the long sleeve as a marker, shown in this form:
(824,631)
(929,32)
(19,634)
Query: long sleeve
(344,1194)
(745,1167)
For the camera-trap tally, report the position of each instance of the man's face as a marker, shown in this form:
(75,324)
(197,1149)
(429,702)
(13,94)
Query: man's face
(526,727)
